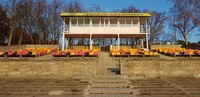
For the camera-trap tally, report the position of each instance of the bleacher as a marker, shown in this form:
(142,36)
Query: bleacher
(177,52)
(133,53)
(28,52)
(77,53)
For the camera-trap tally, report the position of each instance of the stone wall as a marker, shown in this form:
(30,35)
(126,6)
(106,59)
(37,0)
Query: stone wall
(83,47)
(42,46)
(195,46)
(166,46)
(10,48)
(16,47)
(37,69)
(159,68)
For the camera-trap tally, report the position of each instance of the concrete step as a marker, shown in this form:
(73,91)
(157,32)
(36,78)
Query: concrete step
(110,91)
(109,85)
(105,72)
(110,76)
(109,81)
(57,92)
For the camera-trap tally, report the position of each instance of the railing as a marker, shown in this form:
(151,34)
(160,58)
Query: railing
(64,29)
(144,29)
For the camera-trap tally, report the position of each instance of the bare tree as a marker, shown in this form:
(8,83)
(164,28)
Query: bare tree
(4,26)
(130,8)
(156,22)
(13,16)
(95,8)
(185,17)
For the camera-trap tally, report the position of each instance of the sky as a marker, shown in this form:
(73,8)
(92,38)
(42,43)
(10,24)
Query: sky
(110,5)
(158,5)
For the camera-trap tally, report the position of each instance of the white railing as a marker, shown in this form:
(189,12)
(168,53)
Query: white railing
(144,29)
(64,29)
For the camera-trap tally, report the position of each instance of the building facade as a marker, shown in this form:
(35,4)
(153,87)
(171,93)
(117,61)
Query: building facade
(105,25)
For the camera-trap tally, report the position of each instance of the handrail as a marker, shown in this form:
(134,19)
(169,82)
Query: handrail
(144,29)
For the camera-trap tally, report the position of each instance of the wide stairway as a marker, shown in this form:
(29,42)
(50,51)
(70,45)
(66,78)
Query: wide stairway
(108,80)
(39,87)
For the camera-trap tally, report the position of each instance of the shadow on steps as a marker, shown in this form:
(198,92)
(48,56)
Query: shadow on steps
(114,70)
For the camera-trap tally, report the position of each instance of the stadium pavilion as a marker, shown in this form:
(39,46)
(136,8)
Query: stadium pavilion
(105,25)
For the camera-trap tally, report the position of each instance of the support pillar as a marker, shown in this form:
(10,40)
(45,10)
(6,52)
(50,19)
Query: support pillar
(90,41)
(142,44)
(67,43)
(63,38)
(147,41)
(118,42)
(63,42)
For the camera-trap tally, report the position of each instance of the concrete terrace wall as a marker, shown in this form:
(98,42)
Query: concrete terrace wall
(37,69)
(10,48)
(166,46)
(157,68)
(16,47)
(83,47)
(42,46)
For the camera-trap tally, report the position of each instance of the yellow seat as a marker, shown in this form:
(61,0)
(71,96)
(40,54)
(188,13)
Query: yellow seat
(72,53)
(34,53)
(177,53)
(118,53)
(91,53)
(155,53)
(1,53)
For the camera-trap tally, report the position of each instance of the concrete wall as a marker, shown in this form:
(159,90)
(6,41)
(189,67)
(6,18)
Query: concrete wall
(192,46)
(166,46)
(83,47)
(156,68)
(16,47)
(37,69)
(10,48)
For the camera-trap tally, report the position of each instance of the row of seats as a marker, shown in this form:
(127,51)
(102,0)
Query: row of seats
(76,53)
(133,52)
(28,52)
(177,51)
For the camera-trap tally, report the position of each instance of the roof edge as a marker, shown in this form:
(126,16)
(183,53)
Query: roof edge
(102,14)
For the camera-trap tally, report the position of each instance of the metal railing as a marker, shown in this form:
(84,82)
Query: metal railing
(144,29)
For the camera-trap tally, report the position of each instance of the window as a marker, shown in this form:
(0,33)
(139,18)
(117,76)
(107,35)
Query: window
(106,21)
(102,22)
(87,22)
(128,22)
(73,21)
(135,22)
(113,22)
(95,22)
(80,22)
(122,22)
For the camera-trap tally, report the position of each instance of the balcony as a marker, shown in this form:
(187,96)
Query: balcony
(144,29)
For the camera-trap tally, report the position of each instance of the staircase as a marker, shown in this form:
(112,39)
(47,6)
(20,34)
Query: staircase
(108,80)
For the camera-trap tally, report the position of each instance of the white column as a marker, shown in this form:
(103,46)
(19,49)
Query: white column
(63,41)
(90,22)
(117,22)
(118,42)
(67,43)
(108,22)
(139,24)
(63,38)
(146,25)
(76,22)
(90,41)
(99,22)
(147,41)
(142,44)
(70,23)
